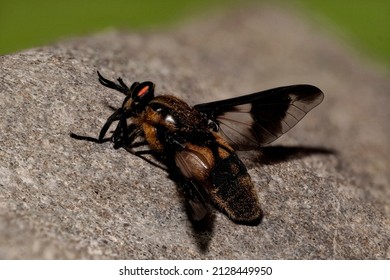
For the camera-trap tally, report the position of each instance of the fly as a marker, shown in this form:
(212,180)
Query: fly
(198,143)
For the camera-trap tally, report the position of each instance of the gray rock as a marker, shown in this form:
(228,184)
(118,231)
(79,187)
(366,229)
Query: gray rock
(324,187)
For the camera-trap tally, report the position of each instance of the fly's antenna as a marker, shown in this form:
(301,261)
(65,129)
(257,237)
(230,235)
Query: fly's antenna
(122,87)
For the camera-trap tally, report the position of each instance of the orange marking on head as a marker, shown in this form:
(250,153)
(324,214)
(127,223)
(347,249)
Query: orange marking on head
(143,91)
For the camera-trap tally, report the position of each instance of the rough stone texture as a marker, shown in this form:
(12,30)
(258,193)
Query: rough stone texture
(324,187)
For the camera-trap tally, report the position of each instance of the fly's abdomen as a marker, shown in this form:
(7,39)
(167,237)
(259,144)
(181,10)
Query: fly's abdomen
(232,190)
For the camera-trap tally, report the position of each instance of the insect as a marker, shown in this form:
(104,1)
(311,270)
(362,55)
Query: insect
(198,143)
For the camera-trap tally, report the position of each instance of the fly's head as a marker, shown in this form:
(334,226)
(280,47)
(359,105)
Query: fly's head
(139,96)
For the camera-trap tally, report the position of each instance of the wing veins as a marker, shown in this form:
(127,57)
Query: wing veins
(271,114)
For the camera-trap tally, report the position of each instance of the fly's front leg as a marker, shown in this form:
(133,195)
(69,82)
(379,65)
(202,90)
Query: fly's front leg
(88,138)
(124,135)
(129,144)
(100,140)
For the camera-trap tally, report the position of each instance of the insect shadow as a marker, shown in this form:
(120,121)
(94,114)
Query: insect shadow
(276,154)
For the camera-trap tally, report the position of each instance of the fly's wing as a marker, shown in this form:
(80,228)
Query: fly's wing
(194,170)
(195,201)
(257,119)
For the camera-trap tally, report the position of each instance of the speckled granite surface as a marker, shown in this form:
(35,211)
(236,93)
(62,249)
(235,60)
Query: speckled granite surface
(324,187)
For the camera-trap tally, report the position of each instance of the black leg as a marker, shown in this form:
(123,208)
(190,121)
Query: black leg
(90,139)
(141,154)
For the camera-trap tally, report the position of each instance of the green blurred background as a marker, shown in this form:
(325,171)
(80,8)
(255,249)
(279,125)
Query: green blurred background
(24,24)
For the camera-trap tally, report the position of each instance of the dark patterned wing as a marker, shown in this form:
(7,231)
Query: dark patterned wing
(257,119)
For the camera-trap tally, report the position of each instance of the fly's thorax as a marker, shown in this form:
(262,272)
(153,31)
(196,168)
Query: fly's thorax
(167,117)
(151,137)
(156,123)
(174,113)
